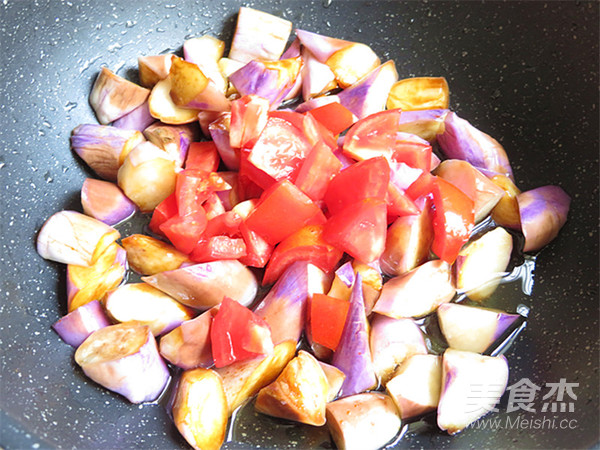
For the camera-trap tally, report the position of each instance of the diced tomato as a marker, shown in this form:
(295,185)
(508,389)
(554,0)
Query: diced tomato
(163,212)
(317,170)
(364,179)
(333,116)
(315,131)
(372,134)
(226,224)
(359,229)
(378,135)
(398,203)
(203,156)
(453,220)
(249,116)
(311,128)
(238,334)
(282,210)
(421,186)
(194,186)
(278,153)
(327,319)
(306,244)
(184,232)
(258,251)
(413,151)
(252,179)
(217,248)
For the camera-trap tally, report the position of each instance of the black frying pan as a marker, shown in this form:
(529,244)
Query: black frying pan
(524,72)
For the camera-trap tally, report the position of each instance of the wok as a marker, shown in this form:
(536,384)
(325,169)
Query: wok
(524,72)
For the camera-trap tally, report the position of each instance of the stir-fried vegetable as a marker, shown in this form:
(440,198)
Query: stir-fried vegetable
(341,208)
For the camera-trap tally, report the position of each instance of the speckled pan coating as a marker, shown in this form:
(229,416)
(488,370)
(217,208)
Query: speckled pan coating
(524,72)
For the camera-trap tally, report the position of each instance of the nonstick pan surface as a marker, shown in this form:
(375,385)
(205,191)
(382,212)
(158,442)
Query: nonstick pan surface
(524,72)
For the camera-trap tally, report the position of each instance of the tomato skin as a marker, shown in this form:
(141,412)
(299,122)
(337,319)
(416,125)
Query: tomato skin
(317,170)
(422,186)
(453,220)
(359,229)
(203,156)
(277,154)
(249,116)
(310,127)
(398,203)
(238,334)
(372,134)
(258,251)
(306,244)
(327,319)
(365,179)
(282,210)
(185,231)
(333,116)
(163,212)
(379,135)
(247,187)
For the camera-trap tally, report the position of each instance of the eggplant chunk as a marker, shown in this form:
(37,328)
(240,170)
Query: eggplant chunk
(471,385)
(393,341)
(70,237)
(416,385)
(299,393)
(418,292)
(471,328)
(363,421)
(124,358)
(353,355)
(200,409)
(189,345)
(481,264)
(149,256)
(202,286)
(335,379)
(284,307)
(75,327)
(243,379)
(147,305)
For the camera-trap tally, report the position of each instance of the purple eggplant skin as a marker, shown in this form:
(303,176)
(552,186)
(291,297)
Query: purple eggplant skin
(353,355)
(256,78)
(202,286)
(322,47)
(543,212)
(139,119)
(425,123)
(100,146)
(284,307)
(316,102)
(105,201)
(369,94)
(461,140)
(346,274)
(124,358)
(75,327)
(174,139)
